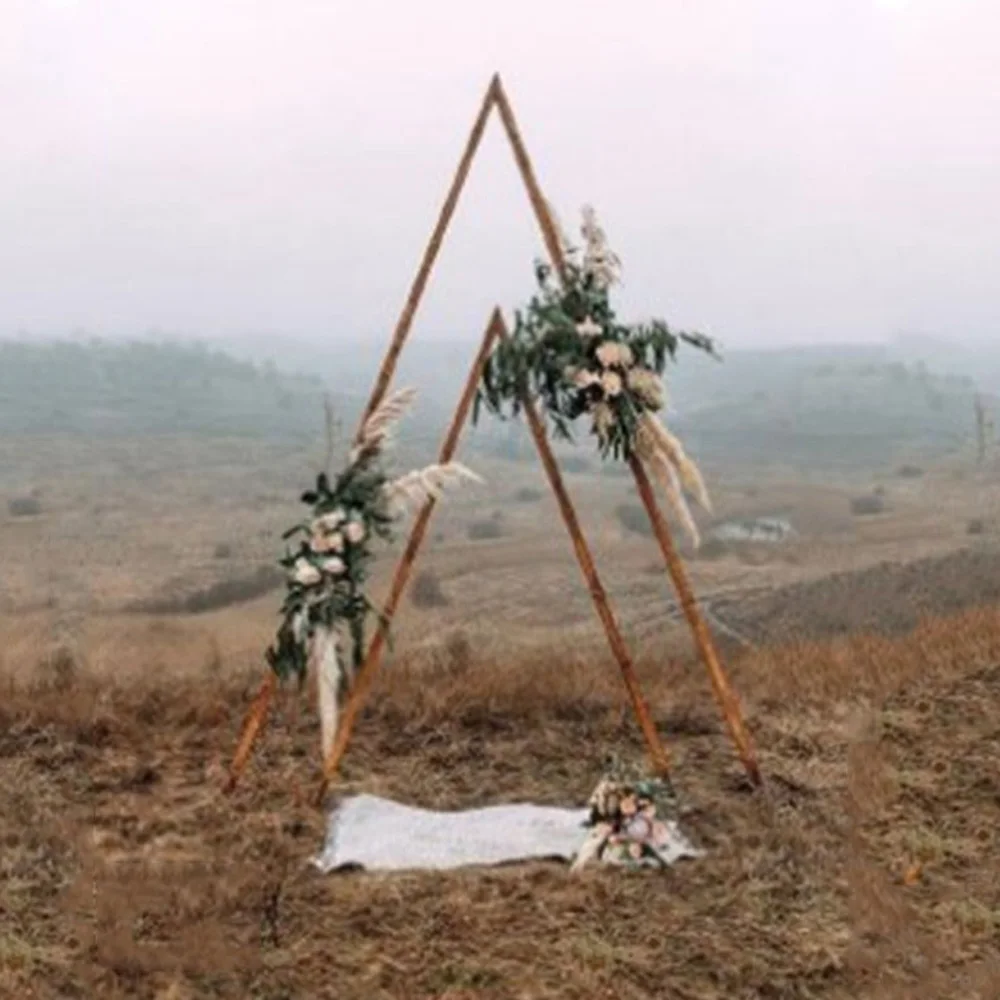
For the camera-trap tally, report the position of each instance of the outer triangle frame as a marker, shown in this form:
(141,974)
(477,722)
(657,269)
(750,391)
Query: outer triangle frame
(496,98)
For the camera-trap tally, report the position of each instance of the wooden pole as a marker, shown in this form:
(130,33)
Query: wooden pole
(657,751)
(538,203)
(261,703)
(388,366)
(724,693)
(366,674)
(255,717)
(702,638)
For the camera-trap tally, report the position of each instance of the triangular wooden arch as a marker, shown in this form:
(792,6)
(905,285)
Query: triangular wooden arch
(496,98)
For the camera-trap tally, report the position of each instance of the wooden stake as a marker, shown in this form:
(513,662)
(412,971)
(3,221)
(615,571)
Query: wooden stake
(538,203)
(657,751)
(702,638)
(258,710)
(366,675)
(388,366)
(724,693)
(255,717)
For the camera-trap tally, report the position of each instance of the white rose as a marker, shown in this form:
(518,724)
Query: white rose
(328,522)
(334,566)
(305,573)
(355,532)
(608,353)
(585,378)
(611,382)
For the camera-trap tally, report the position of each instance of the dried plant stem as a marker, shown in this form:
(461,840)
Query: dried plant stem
(724,693)
(326,658)
(255,717)
(366,674)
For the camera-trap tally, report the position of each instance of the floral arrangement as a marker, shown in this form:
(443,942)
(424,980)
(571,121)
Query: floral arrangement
(629,821)
(569,350)
(326,603)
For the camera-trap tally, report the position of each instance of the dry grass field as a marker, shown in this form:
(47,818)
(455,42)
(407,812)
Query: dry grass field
(868,869)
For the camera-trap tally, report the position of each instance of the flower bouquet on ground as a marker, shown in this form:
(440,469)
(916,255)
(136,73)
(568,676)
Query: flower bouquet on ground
(326,609)
(569,350)
(633,822)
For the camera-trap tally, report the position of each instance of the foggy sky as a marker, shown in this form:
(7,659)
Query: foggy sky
(769,170)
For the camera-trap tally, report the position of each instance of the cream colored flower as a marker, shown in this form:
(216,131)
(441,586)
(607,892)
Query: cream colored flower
(588,328)
(305,573)
(334,566)
(330,521)
(612,353)
(585,378)
(327,543)
(611,383)
(355,532)
(647,386)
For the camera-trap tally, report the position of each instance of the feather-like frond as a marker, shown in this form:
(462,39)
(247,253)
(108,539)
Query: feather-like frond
(421,485)
(385,416)
(665,474)
(690,475)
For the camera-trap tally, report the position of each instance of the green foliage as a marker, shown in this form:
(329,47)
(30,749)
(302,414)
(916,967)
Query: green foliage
(546,353)
(329,568)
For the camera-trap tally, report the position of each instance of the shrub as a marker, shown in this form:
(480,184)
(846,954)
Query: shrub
(483,530)
(223,551)
(977,526)
(909,472)
(633,517)
(24,506)
(574,464)
(865,506)
(427,592)
(527,494)
(713,548)
(235,590)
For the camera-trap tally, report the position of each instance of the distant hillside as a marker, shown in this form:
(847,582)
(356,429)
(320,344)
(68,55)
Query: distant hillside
(819,407)
(102,388)
(846,407)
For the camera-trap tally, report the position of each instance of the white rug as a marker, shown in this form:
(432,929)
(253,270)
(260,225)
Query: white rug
(381,835)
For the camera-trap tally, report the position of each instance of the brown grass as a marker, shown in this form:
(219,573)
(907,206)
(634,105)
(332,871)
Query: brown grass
(126,874)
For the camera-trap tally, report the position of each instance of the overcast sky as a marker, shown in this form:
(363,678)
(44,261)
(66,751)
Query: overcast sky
(769,170)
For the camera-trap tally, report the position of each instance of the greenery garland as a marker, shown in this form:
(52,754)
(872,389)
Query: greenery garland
(328,570)
(569,350)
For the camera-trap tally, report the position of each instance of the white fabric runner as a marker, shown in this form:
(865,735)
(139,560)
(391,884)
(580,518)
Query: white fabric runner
(381,835)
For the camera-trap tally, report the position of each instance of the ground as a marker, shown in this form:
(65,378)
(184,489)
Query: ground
(867,869)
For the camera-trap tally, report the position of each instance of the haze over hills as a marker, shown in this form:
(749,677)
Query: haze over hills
(850,405)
